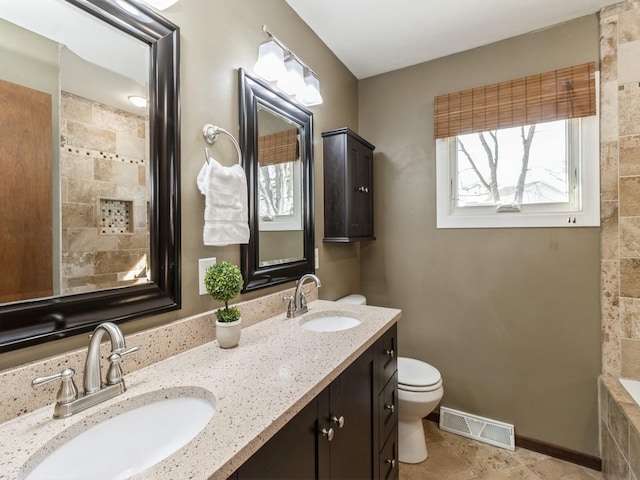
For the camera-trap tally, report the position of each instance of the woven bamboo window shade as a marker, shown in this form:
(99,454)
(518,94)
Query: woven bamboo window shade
(278,147)
(560,94)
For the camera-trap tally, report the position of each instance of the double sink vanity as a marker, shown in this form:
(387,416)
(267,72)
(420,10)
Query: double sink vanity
(312,396)
(221,413)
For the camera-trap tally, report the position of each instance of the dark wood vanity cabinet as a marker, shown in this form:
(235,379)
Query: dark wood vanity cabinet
(348,187)
(348,401)
(314,445)
(290,453)
(386,365)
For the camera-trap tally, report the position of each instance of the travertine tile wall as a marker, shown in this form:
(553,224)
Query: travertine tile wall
(619,437)
(620,240)
(620,188)
(103,155)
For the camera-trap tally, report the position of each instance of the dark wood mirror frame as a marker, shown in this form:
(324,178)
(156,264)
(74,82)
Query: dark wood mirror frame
(255,93)
(37,321)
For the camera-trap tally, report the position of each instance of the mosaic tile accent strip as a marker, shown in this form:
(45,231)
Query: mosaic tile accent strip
(98,154)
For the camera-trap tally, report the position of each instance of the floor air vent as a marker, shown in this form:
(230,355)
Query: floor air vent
(479,428)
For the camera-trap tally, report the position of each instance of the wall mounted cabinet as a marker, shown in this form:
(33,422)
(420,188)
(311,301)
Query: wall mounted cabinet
(348,187)
(349,431)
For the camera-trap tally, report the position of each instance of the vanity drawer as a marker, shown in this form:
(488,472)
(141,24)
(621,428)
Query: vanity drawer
(387,355)
(388,409)
(388,460)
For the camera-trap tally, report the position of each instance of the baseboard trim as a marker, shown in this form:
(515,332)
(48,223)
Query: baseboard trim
(561,453)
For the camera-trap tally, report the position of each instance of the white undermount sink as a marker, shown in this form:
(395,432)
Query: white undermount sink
(329,322)
(128,443)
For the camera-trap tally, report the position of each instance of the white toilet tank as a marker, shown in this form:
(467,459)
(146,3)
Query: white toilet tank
(353,299)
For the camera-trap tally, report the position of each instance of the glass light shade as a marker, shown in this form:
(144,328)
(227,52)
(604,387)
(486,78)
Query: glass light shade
(310,94)
(138,101)
(160,4)
(270,64)
(292,82)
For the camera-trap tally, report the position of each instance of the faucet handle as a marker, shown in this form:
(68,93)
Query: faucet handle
(129,351)
(303,297)
(114,375)
(67,392)
(290,305)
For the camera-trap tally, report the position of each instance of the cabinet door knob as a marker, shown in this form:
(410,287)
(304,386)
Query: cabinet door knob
(339,420)
(391,407)
(390,353)
(391,462)
(328,434)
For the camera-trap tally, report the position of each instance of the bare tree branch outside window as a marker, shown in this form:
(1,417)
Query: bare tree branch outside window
(494,166)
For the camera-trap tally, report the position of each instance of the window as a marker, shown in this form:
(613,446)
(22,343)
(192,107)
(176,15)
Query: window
(280,198)
(279,175)
(495,169)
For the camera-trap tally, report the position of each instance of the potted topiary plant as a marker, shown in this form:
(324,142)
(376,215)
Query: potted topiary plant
(223,282)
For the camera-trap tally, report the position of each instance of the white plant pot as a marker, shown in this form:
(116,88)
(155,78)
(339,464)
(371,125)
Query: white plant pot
(228,333)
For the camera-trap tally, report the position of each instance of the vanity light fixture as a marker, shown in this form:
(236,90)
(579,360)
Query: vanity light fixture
(270,64)
(310,94)
(277,63)
(292,82)
(138,101)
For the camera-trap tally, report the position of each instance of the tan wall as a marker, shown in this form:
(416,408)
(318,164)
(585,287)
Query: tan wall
(510,317)
(217,37)
(620,136)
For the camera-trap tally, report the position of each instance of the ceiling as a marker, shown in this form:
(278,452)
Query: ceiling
(97,61)
(376,36)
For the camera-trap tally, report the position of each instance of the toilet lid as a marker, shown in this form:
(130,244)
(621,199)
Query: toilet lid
(412,372)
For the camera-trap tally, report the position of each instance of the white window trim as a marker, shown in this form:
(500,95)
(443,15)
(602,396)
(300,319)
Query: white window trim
(587,215)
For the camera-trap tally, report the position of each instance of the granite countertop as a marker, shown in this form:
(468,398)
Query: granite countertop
(258,387)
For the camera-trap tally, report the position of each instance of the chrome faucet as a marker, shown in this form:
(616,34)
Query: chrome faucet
(298,303)
(92,372)
(68,400)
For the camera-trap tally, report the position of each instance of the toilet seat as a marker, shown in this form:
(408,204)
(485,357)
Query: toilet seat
(417,376)
(428,388)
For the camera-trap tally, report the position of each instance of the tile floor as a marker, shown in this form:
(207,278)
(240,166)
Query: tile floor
(452,457)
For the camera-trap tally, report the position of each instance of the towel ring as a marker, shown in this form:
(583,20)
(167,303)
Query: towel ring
(210,134)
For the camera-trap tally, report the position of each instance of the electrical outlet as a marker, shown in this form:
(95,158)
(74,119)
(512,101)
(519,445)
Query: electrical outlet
(317,260)
(203,265)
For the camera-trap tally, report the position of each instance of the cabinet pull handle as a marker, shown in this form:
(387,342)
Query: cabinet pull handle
(390,353)
(328,434)
(391,462)
(391,407)
(339,420)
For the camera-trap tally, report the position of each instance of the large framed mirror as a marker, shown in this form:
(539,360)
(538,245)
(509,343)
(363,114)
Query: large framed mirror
(91,199)
(277,139)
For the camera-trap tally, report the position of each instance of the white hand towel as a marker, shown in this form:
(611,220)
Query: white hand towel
(225,211)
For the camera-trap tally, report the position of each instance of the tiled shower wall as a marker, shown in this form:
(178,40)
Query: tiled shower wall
(620,237)
(104,173)
(620,188)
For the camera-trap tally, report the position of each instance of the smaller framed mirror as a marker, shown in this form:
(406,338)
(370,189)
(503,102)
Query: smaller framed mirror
(277,139)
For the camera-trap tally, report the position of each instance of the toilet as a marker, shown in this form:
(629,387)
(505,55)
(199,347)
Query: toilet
(419,392)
